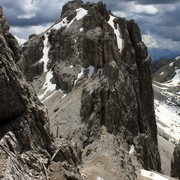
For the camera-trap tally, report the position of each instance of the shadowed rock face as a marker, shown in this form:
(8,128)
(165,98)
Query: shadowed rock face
(102,64)
(16,96)
(25,144)
(33,52)
(23,119)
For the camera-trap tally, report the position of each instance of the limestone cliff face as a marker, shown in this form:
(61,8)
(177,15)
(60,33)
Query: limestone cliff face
(27,150)
(33,51)
(24,136)
(102,66)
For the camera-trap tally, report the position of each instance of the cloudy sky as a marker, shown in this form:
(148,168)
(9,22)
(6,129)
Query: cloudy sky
(158,19)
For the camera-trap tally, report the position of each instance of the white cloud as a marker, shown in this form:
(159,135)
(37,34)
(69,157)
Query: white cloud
(147,9)
(23,32)
(135,11)
(150,41)
(20,40)
(154,18)
(153,41)
(26,16)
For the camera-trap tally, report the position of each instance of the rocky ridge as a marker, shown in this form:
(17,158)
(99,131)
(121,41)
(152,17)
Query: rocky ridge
(98,89)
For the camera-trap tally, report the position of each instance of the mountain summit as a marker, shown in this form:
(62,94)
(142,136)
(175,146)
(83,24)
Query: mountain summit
(92,71)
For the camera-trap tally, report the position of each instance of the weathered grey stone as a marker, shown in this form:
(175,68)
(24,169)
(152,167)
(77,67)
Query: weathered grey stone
(112,89)
(175,163)
(24,123)
(33,52)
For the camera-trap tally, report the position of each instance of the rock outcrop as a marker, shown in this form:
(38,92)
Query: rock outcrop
(33,52)
(26,150)
(98,90)
(175,163)
(24,136)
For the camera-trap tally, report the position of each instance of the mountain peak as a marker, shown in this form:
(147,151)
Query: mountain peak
(96,78)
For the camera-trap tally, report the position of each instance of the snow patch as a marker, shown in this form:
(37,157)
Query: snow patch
(48,85)
(81,12)
(91,71)
(131,151)
(64,23)
(61,24)
(176,79)
(79,75)
(177,58)
(171,64)
(71,66)
(117,32)
(169,120)
(155,86)
(162,73)
(99,178)
(152,175)
(81,29)
(49,96)
(64,96)
(45,53)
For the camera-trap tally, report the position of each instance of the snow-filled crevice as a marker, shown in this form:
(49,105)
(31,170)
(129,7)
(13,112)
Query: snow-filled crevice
(79,76)
(117,32)
(81,12)
(48,85)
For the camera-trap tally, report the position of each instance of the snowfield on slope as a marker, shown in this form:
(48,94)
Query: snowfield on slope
(167,106)
(48,85)
(167,103)
(152,175)
(168,119)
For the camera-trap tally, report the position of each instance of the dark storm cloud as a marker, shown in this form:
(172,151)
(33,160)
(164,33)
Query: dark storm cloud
(165,24)
(156,17)
(155,1)
(28,12)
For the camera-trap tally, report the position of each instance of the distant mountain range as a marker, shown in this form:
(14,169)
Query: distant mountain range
(166,85)
(158,54)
